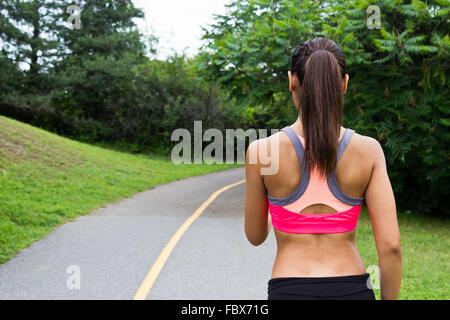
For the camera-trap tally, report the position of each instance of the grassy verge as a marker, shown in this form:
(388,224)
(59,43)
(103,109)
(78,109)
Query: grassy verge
(425,249)
(46,180)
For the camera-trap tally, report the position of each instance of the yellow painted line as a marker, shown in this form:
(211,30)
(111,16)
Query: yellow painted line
(150,279)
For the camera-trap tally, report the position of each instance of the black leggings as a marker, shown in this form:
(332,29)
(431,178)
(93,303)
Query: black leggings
(331,288)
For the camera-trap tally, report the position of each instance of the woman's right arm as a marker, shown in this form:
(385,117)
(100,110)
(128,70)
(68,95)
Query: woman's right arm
(383,215)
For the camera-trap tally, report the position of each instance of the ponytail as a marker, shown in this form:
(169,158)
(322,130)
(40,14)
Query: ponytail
(321,102)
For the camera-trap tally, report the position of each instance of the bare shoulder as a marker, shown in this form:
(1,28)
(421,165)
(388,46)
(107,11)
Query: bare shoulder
(253,151)
(268,144)
(368,147)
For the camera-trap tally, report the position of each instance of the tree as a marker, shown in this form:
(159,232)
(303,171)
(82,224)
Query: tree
(26,31)
(100,57)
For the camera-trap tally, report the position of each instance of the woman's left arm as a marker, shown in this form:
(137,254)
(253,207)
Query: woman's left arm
(257,224)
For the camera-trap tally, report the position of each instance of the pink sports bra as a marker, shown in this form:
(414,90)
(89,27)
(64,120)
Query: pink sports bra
(311,190)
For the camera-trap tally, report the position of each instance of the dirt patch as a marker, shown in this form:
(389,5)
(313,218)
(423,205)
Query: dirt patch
(12,148)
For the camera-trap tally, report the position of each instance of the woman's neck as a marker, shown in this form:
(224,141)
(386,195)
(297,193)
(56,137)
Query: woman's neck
(298,128)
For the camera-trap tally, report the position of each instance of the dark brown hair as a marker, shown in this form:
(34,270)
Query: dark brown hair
(319,65)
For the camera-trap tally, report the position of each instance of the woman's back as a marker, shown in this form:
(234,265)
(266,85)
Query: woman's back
(353,171)
(315,255)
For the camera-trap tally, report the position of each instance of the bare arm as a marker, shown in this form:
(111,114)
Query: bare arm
(383,215)
(257,226)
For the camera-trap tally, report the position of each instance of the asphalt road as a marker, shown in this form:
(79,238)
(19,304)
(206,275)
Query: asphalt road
(106,255)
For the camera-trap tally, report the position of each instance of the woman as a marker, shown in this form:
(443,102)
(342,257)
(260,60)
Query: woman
(325,173)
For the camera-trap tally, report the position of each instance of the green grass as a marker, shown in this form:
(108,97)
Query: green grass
(425,252)
(46,180)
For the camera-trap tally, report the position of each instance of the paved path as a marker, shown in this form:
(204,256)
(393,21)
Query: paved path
(115,247)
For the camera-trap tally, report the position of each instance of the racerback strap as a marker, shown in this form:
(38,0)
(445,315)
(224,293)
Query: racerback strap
(305,175)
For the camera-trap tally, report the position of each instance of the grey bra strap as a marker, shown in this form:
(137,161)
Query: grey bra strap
(304,180)
(297,144)
(348,134)
(332,181)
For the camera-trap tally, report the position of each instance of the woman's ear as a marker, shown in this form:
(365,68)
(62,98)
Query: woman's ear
(291,81)
(344,88)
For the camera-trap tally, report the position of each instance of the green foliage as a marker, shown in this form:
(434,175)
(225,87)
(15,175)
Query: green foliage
(10,76)
(102,57)
(398,90)
(140,104)
(22,25)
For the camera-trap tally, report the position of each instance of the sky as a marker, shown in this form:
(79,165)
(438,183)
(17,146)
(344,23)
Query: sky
(177,23)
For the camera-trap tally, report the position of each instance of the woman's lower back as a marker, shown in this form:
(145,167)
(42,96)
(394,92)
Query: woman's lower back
(317,255)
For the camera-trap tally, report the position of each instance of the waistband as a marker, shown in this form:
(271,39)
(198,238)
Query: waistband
(321,286)
(302,280)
